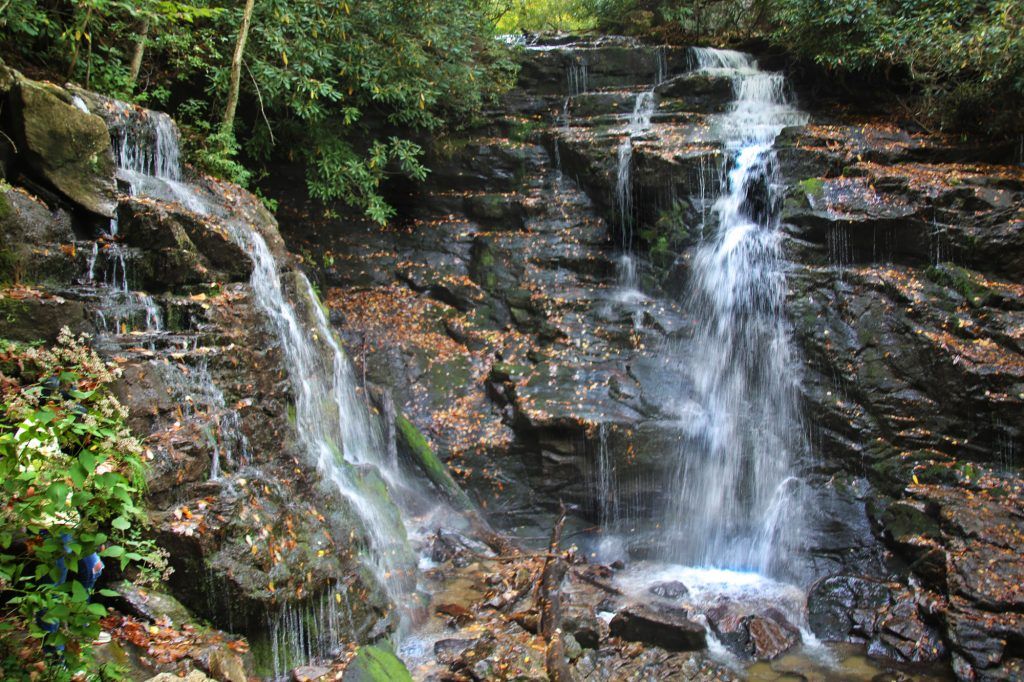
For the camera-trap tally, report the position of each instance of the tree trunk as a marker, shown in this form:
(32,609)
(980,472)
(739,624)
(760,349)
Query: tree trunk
(140,51)
(236,66)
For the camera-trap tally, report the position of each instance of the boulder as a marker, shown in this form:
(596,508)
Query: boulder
(758,636)
(185,248)
(844,608)
(65,147)
(152,605)
(672,589)
(668,628)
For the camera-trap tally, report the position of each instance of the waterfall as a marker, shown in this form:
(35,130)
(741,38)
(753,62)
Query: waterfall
(576,74)
(148,157)
(639,123)
(335,431)
(734,499)
(660,65)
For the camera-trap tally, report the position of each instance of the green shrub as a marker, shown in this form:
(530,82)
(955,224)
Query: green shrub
(68,467)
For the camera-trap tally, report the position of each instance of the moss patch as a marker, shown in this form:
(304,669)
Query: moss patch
(814,187)
(416,446)
(966,283)
(375,664)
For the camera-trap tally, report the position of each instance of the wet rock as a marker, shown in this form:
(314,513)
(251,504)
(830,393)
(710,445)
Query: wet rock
(583,623)
(153,605)
(759,636)
(846,608)
(310,673)
(887,617)
(187,248)
(673,590)
(64,146)
(448,651)
(698,92)
(375,664)
(194,676)
(669,628)
(226,666)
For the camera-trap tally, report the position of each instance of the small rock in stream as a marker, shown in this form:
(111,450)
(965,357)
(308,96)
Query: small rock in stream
(672,589)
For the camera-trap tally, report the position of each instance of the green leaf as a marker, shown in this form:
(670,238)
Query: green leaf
(78,592)
(113,551)
(121,523)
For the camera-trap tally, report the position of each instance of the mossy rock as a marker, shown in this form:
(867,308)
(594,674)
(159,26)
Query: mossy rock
(64,146)
(414,444)
(376,664)
(965,282)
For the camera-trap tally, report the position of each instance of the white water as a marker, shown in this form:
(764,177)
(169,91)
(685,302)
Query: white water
(149,160)
(334,428)
(122,310)
(195,390)
(335,431)
(735,499)
(638,124)
(578,77)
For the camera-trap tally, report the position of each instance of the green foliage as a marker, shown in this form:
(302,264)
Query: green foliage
(342,87)
(69,468)
(967,57)
(214,150)
(542,15)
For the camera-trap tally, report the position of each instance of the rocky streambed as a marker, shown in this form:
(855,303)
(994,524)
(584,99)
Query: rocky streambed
(521,321)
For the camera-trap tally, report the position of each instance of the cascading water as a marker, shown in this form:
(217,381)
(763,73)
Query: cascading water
(733,502)
(639,123)
(199,396)
(334,428)
(149,160)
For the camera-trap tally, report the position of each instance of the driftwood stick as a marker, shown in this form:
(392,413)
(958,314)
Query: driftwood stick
(591,580)
(549,606)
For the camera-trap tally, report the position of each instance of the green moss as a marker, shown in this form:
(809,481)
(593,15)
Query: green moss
(505,371)
(814,187)
(376,664)
(962,281)
(11,310)
(416,446)
(523,130)
(5,205)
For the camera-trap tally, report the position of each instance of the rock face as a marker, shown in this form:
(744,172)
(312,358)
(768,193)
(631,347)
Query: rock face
(759,636)
(259,544)
(62,145)
(498,320)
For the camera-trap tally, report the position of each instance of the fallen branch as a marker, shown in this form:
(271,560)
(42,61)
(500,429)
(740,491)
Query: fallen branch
(549,606)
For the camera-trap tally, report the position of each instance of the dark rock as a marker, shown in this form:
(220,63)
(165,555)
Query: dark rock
(845,608)
(758,636)
(41,318)
(188,249)
(448,651)
(64,146)
(583,623)
(669,628)
(670,590)
(153,605)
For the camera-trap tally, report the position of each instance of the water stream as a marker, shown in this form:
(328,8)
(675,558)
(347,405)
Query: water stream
(335,430)
(735,495)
